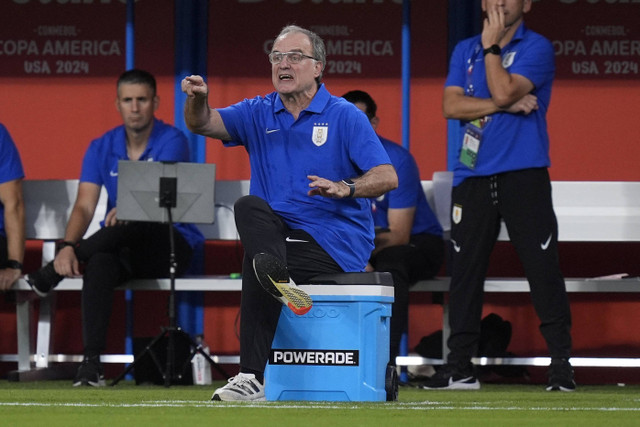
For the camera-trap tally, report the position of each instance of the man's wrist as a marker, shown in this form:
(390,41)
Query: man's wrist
(63,244)
(494,49)
(352,186)
(12,263)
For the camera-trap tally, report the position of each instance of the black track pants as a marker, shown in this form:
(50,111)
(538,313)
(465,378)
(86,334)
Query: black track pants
(523,200)
(262,230)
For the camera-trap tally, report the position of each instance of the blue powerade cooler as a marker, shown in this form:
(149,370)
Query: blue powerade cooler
(339,350)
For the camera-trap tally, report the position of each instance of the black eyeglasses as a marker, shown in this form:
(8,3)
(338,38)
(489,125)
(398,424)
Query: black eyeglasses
(292,57)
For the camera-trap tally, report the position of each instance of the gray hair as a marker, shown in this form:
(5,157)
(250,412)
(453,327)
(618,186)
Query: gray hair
(317,44)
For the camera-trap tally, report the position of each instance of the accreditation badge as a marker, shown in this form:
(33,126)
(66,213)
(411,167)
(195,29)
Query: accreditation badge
(470,145)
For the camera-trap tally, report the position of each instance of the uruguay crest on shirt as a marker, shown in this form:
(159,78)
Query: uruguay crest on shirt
(320,131)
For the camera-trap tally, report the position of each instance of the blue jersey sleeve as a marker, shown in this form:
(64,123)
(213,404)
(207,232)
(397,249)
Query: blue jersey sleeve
(364,146)
(458,66)
(91,165)
(405,196)
(235,118)
(11,168)
(536,62)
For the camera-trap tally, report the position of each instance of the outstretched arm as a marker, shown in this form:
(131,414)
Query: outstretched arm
(198,116)
(375,182)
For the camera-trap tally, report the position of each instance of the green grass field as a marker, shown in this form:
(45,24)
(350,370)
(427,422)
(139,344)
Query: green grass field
(56,403)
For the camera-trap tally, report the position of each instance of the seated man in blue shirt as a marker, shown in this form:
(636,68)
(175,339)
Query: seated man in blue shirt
(119,250)
(11,212)
(315,163)
(408,241)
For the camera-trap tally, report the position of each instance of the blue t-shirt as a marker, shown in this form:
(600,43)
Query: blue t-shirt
(409,193)
(10,166)
(332,139)
(100,164)
(509,141)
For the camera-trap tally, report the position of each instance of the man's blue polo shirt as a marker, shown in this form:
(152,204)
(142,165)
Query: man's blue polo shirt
(100,164)
(509,141)
(409,193)
(10,166)
(332,139)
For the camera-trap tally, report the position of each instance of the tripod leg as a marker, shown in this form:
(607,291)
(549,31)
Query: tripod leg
(148,349)
(169,374)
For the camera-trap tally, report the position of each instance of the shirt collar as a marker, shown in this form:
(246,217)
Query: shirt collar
(519,34)
(319,101)
(121,148)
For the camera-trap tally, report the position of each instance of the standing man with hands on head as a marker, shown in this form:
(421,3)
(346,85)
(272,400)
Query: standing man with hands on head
(315,162)
(499,88)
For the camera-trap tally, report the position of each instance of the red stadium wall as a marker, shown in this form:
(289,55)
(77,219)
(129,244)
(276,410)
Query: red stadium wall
(52,118)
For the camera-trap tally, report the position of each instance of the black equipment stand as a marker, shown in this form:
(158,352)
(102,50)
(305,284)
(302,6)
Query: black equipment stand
(168,200)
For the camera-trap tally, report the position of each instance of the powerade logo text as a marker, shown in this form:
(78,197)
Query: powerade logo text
(315,357)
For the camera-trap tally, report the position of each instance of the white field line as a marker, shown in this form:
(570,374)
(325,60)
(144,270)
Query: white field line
(421,406)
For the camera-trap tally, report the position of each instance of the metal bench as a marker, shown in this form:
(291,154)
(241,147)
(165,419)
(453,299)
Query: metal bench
(587,211)
(48,205)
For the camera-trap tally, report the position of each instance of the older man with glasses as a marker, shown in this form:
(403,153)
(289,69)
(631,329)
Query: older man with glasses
(315,163)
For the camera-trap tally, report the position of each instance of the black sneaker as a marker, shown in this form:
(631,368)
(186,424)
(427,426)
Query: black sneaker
(451,377)
(561,376)
(90,373)
(274,278)
(43,280)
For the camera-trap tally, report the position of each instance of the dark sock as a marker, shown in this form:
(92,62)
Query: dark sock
(259,375)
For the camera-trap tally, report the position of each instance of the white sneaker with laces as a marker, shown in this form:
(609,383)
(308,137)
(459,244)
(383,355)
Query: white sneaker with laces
(241,387)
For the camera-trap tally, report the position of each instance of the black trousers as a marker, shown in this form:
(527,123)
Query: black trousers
(523,200)
(262,230)
(420,259)
(113,255)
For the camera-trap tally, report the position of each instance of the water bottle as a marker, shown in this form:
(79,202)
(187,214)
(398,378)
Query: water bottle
(201,368)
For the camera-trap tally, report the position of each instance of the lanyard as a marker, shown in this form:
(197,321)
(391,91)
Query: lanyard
(469,90)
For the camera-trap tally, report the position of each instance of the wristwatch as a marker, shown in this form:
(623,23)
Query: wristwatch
(352,186)
(64,244)
(493,49)
(12,263)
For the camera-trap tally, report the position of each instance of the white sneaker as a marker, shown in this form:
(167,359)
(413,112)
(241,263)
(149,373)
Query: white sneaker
(241,387)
